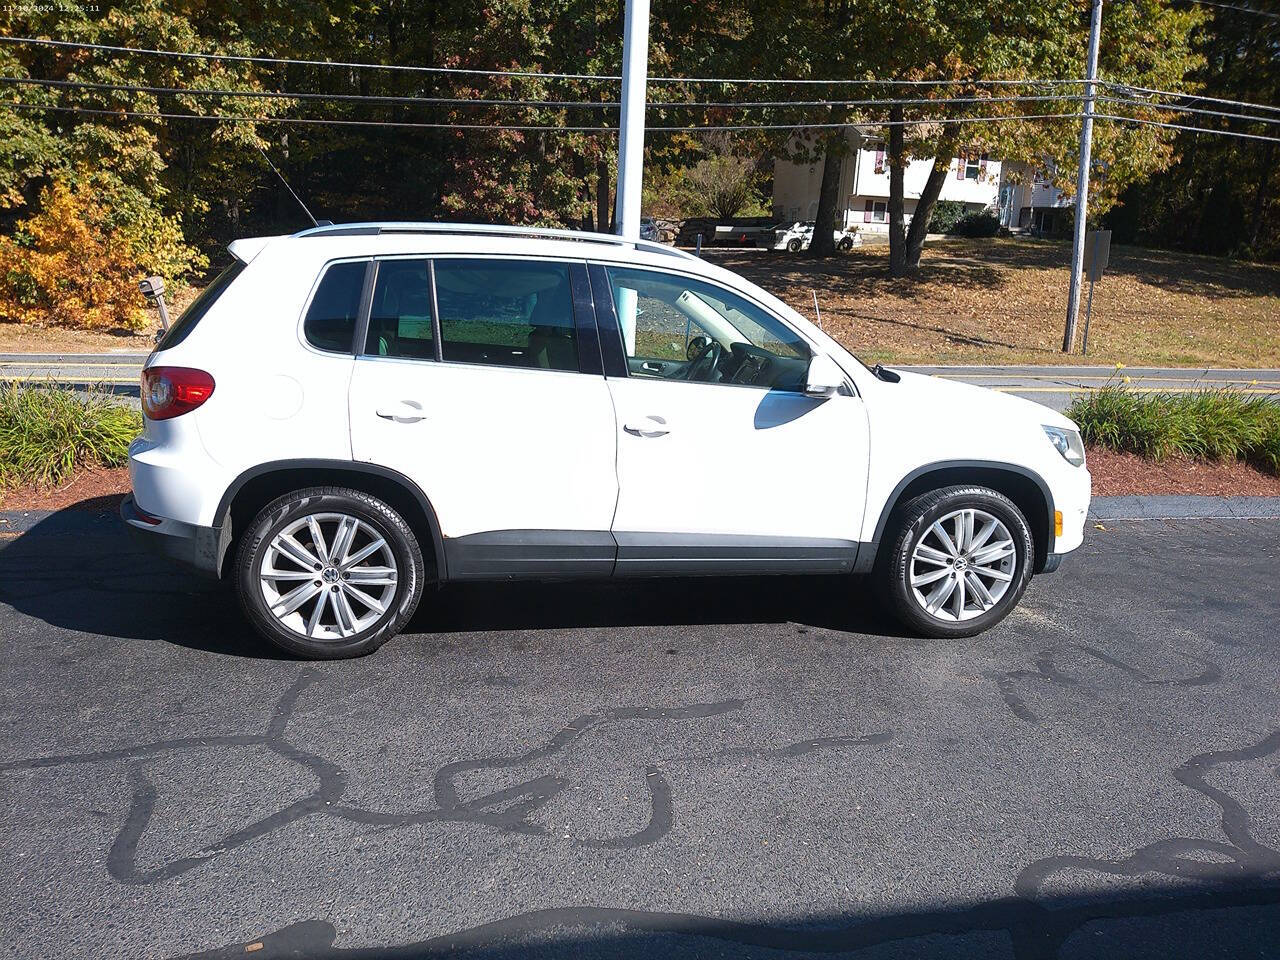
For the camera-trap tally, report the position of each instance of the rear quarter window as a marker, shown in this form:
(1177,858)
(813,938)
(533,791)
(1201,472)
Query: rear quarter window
(330,323)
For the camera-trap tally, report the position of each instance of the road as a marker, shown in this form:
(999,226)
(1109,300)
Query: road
(745,768)
(1057,386)
(1052,386)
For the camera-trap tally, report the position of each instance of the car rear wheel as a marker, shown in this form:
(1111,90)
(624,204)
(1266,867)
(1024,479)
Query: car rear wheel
(794,245)
(956,561)
(845,245)
(329,572)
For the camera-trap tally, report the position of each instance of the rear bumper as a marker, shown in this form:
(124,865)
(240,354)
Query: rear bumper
(200,548)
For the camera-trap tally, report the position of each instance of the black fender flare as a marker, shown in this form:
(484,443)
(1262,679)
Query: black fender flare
(937,466)
(347,466)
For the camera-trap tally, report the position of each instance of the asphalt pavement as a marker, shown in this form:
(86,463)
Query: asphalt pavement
(1055,387)
(739,768)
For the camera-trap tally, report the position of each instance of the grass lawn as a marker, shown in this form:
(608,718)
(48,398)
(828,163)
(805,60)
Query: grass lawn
(974,301)
(17,338)
(1003,301)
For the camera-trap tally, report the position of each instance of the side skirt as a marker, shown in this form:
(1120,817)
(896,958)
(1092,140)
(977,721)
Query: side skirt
(576,554)
(687,554)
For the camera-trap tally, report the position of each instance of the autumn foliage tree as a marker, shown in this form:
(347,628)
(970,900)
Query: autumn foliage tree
(65,267)
(1144,43)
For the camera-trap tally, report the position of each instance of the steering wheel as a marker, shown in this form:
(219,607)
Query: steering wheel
(704,364)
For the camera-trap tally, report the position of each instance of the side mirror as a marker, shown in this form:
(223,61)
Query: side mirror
(825,378)
(695,347)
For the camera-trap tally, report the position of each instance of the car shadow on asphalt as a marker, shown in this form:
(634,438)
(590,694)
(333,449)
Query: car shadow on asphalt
(833,603)
(1163,921)
(78,569)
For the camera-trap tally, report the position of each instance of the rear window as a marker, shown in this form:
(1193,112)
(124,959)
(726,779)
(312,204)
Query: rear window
(331,318)
(201,305)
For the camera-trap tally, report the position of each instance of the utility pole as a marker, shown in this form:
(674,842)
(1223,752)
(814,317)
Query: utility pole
(635,62)
(1082,179)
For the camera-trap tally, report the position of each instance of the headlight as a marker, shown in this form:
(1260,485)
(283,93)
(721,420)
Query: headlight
(1068,443)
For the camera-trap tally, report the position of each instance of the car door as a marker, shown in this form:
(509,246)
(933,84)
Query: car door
(724,464)
(480,380)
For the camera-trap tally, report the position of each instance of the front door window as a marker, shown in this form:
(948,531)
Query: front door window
(679,328)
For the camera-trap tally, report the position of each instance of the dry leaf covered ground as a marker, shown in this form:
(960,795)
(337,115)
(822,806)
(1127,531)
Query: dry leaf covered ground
(1003,301)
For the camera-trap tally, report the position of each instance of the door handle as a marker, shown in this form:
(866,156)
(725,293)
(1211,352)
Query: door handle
(650,426)
(403,411)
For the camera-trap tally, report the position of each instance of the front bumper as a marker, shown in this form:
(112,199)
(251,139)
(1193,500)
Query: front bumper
(200,548)
(1052,562)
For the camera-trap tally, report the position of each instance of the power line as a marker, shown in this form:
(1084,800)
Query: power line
(530,128)
(285,61)
(874,82)
(288,95)
(1232,6)
(588,104)
(918,122)
(1189,129)
(329,121)
(1175,108)
(1126,87)
(316,121)
(531,74)
(929,102)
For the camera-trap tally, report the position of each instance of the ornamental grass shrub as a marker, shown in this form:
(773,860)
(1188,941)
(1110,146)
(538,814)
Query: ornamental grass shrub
(1209,424)
(47,433)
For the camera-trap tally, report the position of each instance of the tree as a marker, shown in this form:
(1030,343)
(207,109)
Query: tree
(1144,43)
(1221,195)
(723,182)
(823,41)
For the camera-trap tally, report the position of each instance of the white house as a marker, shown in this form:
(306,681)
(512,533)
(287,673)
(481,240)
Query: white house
(973,179)
(1028,201)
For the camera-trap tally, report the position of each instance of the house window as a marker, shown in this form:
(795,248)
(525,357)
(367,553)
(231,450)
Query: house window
(879,211)
(879,161)
(972,167)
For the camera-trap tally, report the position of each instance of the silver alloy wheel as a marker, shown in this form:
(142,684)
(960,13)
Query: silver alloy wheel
(328,576)
(962,565)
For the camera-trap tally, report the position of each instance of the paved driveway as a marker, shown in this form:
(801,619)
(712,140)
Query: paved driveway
(742,768)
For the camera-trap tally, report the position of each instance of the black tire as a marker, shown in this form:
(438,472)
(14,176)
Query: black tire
(389,525)
(908,526)
(845,245)
(794,246)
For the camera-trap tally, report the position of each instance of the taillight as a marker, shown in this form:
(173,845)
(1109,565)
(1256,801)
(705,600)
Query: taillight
(169,392)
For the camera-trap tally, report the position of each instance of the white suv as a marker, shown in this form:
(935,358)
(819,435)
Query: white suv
(351,413)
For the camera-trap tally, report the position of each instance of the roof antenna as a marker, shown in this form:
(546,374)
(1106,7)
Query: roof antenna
(313,220)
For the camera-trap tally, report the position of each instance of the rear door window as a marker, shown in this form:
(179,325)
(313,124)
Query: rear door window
(331,319)
(400,316)
(514,313)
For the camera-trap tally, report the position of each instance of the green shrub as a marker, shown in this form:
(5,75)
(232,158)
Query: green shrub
(1266,456)
(47,432)
(981,224)
(946,214)
(1220,424)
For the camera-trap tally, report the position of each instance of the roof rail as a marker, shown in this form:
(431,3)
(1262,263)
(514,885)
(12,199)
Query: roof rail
(481,229)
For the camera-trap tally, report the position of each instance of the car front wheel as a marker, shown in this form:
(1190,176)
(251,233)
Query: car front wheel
(329,572)
(794,246)
(955,561)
